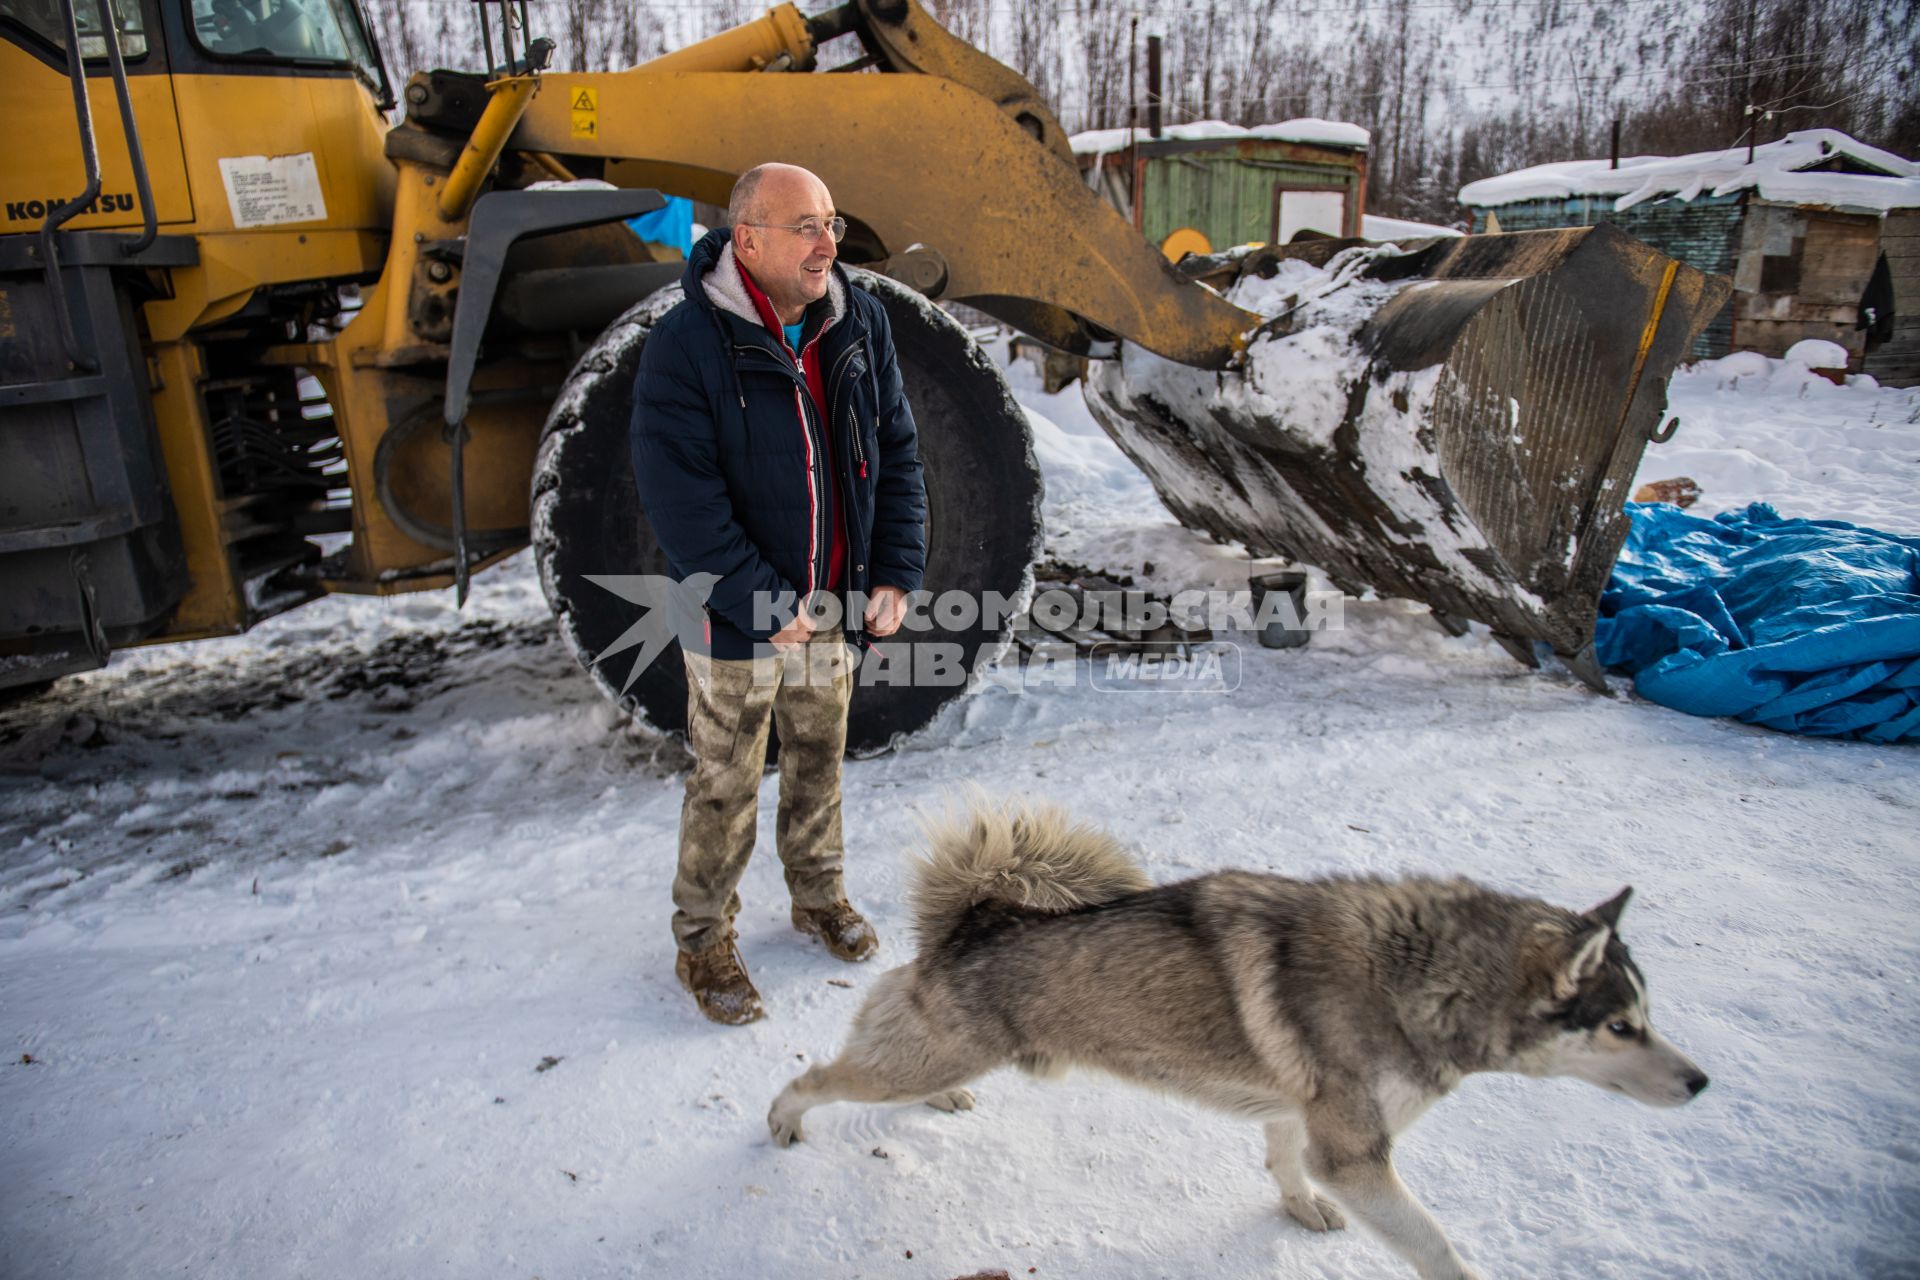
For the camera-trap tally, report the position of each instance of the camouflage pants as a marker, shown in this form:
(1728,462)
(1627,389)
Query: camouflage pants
(729,705)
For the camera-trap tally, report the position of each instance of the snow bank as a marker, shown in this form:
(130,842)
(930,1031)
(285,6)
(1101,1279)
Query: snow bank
(1756,429)
(1777,171)
(1816,353)
(1326,133)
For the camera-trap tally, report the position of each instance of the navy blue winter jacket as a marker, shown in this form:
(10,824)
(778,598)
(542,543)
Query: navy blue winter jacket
(722,446)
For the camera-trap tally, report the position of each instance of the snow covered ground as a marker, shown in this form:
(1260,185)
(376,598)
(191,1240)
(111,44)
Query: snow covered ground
(340,948)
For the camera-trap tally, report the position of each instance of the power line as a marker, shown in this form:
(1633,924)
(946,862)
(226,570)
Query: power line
(1815,106)
(1220,8)
(1250,100)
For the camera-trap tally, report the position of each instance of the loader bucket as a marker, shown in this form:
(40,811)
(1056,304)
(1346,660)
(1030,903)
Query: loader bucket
(1463,430)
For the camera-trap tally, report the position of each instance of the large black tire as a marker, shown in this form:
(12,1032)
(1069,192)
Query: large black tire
(983,501)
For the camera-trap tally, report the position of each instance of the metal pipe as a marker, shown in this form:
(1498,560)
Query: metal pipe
(507,104)
(551,164)
(833,24)
(456,437)
(136,155)
(751,46)
(90,158)
(486,37)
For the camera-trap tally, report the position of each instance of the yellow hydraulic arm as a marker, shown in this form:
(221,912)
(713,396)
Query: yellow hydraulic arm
(955,174)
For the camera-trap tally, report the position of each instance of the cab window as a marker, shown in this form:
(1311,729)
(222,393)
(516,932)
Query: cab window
(42,19)
(285,31)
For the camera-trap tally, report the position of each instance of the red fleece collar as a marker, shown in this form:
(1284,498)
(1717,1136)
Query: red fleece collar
(764,305)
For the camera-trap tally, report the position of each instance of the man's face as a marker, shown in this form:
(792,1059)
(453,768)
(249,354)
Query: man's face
(791,268)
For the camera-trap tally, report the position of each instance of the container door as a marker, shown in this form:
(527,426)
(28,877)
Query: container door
(1295,210)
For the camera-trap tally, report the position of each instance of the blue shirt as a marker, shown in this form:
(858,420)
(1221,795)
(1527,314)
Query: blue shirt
(793,334)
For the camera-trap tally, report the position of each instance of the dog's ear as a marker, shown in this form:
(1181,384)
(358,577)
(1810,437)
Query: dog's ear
(1560,959)
(1587,956)
(1608,912)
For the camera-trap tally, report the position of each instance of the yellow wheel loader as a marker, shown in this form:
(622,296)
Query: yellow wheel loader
(257,345)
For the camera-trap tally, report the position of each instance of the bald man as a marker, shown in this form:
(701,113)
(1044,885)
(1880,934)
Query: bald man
(774,449)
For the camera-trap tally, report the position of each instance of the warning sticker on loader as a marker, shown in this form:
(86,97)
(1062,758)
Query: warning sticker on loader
(584,106)
(264,191)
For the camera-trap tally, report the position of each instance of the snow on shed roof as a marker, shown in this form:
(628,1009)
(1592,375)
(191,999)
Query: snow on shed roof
(1375,227)
(1778,171)
(1326,133)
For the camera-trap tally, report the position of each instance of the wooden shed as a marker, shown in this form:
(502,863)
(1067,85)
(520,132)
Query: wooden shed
(1820,233)
(1209,185)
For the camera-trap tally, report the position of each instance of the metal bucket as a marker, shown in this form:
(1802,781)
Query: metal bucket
(1288,628)
(1495,496)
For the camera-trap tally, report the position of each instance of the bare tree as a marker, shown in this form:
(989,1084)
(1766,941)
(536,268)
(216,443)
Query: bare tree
(967,19)
(580,45)
(640,36)
(1759,69)
(1034,47)
(1104,29)
(395,29)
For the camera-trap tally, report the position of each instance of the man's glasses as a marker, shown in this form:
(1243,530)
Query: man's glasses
(810,228)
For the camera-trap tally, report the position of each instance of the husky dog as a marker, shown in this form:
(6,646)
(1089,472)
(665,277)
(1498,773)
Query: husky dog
(1333,1012)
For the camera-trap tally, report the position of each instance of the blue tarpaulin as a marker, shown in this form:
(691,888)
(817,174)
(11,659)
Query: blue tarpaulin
(671,226)
(1810,626)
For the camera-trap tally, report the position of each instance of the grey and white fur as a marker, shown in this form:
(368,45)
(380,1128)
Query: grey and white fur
(1332,1012)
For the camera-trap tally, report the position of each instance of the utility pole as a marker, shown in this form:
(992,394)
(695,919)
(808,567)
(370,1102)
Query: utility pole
(1153,86)
(1133,77)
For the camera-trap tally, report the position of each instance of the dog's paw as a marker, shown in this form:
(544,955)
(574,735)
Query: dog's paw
(952,1100)
(784,1127)
(1315,1213)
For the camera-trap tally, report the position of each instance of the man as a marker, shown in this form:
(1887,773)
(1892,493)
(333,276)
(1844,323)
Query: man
(774,450)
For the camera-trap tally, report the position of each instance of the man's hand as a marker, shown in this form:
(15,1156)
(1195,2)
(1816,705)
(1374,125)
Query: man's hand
(885,608)
(794,635)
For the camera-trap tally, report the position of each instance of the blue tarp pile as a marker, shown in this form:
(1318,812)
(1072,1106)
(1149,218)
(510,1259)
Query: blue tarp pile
(1810,626)
(671,225)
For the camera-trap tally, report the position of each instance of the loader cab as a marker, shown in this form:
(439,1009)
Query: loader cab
(310,33)
(44,160)
(158,477)
(209,80)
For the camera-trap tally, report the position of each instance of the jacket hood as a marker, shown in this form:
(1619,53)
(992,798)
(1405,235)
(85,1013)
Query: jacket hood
(713,276)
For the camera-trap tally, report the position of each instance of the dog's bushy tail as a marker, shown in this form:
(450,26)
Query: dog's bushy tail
(1026,855)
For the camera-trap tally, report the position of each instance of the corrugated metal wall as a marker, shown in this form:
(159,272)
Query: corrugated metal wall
(1226,196)
(1703,232)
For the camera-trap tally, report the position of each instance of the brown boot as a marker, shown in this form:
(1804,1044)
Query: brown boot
(717,977)
(844,930)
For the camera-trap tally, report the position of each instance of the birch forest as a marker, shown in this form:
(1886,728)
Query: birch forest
(1451,90)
